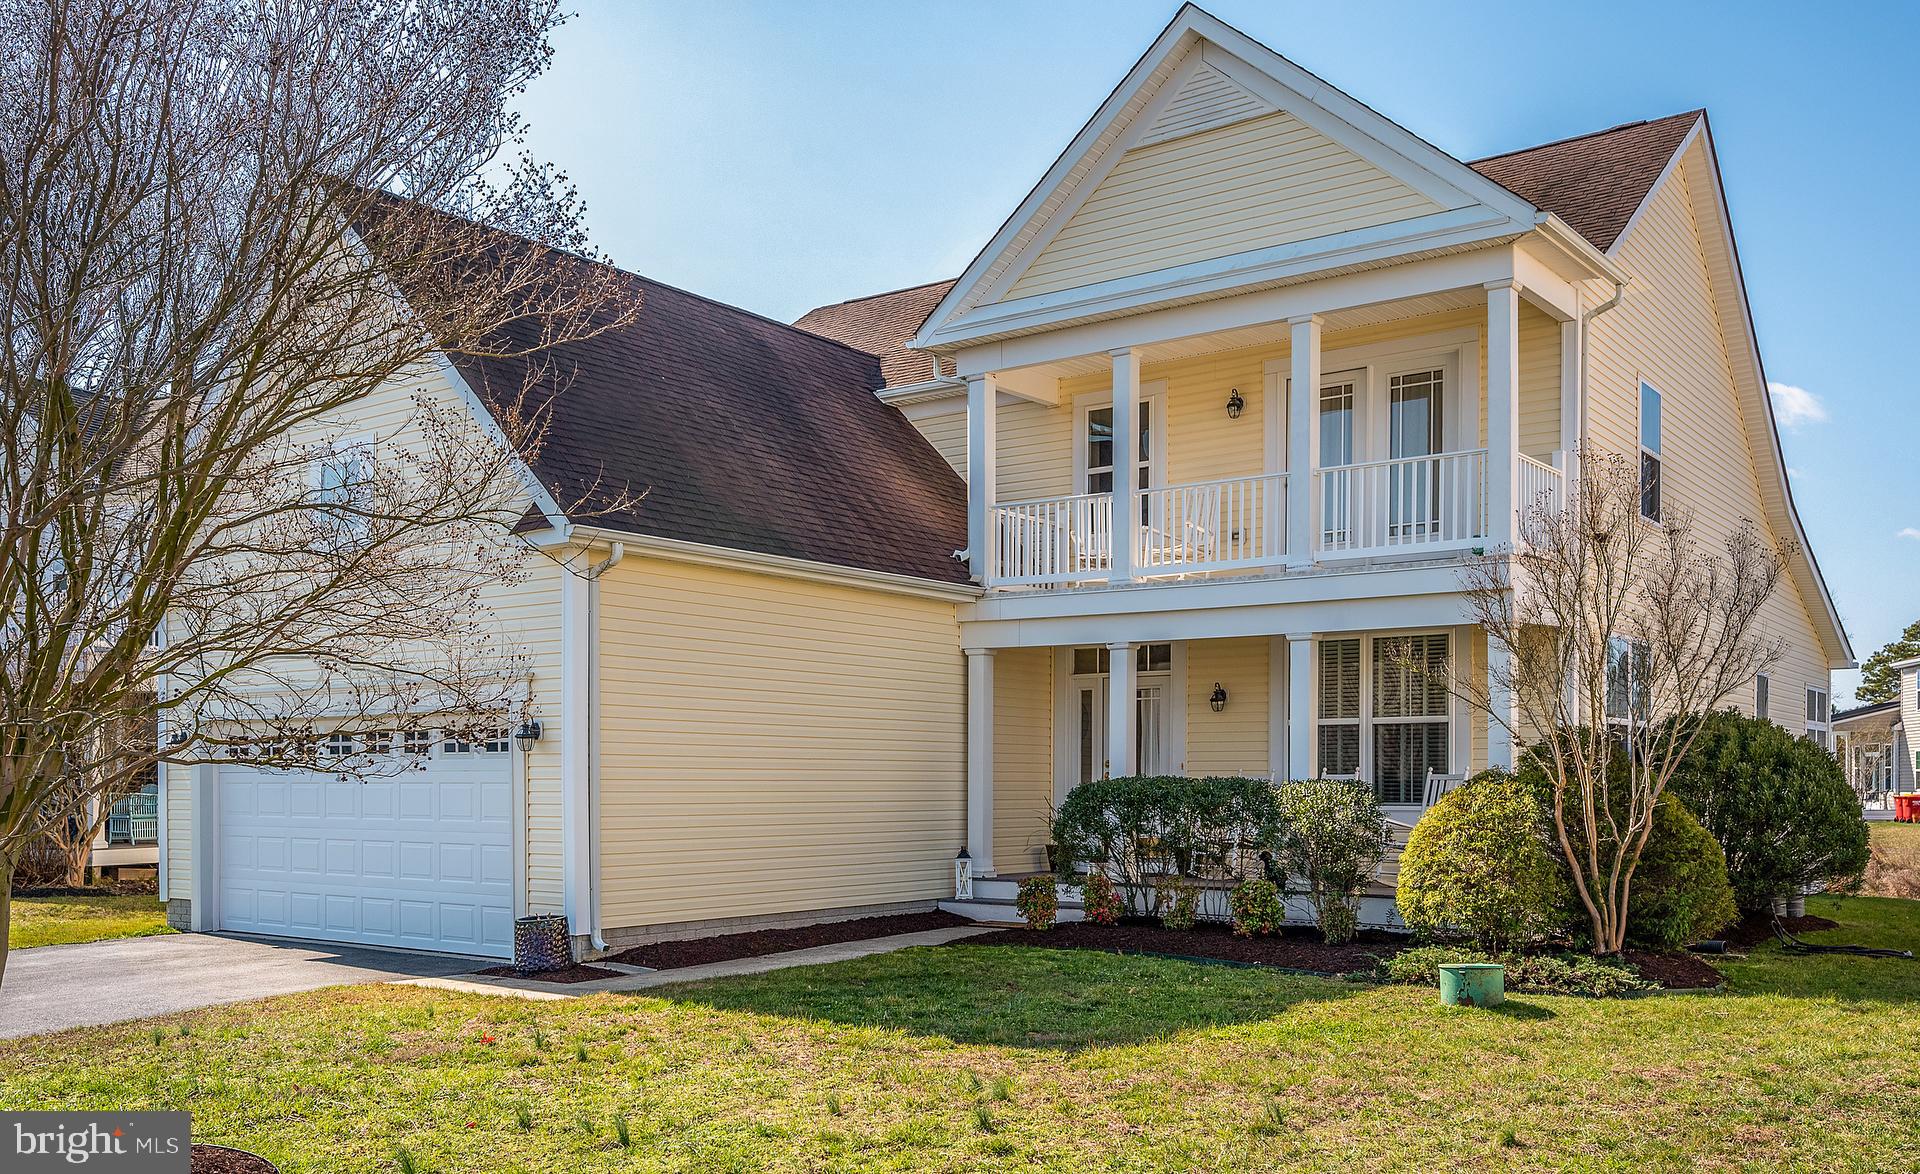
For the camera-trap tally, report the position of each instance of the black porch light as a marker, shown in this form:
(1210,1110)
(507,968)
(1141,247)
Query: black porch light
(527,734)
(1235,404)
(1218,699)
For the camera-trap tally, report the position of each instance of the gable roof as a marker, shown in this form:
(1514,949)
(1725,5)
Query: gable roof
(882,325)
(1595,182)
(741,432)
(1860,712)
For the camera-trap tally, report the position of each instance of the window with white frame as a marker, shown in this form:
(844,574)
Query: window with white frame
(1819,717)
(1650,428)
(1629,665)
(496,742)
(339,745)
(343,486)
(1384,711)
(1100,448)
(419,742)
(1760,686)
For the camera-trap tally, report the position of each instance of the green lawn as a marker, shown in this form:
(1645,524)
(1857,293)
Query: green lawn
(1895,868)
(58,921)
(964,1058)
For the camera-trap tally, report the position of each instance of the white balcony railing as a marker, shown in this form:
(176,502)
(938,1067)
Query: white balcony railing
(1052,540)
(1213,526)
(1543,490)
(1388,506)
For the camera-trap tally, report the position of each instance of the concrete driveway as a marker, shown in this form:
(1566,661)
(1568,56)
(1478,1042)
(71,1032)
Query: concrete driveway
(49,988)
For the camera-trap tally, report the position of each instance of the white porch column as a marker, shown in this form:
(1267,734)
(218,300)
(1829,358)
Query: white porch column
(1303,439)
(1279,703)
(983,395)
(1503,411)
(980,760)
(1126,460)
(576,738)
(1122,708)
(204,849)
(1500,701)
(1300,705)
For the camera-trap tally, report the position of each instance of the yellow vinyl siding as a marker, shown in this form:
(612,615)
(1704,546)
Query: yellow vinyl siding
(1266,181)
(771,745)
(1233,741)
(1022,758)
(1667,331)
(1207,99)
(1539,383)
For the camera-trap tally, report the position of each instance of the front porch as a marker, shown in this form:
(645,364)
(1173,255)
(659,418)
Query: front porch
(1044,720)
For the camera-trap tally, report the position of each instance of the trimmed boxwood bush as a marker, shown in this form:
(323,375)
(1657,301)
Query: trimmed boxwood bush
(1779,805)
(1480,862)
(1335,837)
(1038,901)
(1147,827)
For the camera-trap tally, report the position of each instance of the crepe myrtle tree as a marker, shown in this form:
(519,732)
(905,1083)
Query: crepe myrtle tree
(222,225)
(1621,633)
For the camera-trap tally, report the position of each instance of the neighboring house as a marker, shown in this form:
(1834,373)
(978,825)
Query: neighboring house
(785,697)
(1872,743)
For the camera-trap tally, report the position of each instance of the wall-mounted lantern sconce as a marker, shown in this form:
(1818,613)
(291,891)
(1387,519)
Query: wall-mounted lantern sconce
(1219,698)
(527,734)
(1235,404)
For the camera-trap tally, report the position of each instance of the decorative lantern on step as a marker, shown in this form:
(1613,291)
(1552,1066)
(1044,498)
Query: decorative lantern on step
(963,876)
(541,943)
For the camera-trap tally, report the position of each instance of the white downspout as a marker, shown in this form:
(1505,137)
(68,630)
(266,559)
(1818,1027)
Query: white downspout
(612,560)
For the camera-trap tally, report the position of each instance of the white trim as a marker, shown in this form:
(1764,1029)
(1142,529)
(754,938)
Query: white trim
(979,717)
(701,554)
(1066,756)
(944,388)
(205,855)
(576,681)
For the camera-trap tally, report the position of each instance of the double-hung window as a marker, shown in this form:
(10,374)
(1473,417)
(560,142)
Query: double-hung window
(1819,717)
(1385,712)
(1649,452)
(1760,685)
(1629,669)
(1100,450)
(1340,706)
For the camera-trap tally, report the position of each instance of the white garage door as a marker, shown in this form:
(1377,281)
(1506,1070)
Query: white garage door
(422,860)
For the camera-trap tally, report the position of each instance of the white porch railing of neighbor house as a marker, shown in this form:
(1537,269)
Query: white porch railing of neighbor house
(1212,526)
(1390,506)
(1052,539)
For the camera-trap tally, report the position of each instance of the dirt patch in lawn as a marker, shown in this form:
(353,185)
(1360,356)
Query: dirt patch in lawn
(567,974)
(218,1159)
(1675,972)
(1296,949)
(754,944)
(1755,928)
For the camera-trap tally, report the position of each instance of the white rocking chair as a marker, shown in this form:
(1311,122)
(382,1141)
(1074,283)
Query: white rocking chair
(1438,785)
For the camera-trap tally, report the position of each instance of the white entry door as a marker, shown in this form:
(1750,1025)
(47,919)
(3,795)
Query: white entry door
(422,860)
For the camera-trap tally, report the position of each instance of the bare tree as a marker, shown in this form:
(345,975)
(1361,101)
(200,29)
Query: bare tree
(1621,634)
(223,225)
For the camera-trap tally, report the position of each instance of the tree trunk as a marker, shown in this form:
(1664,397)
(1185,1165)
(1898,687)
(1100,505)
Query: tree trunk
(6,911)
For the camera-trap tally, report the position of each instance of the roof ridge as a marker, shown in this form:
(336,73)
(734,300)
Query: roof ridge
(885,293)
(1592,134)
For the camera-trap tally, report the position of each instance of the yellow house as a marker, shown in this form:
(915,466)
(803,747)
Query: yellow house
(895,588)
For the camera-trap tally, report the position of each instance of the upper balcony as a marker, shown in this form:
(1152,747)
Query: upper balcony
(1430,433)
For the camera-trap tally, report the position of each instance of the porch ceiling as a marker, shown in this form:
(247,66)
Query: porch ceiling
(1268,334)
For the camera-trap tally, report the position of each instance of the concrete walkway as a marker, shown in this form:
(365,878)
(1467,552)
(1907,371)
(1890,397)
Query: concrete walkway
(50,988)
(812,956)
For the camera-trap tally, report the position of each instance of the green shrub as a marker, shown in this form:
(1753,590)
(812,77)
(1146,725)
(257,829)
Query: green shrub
(1534,974)
(1183,903)
(1680,892)
(1334,838)
(1144,827)
(1100,899)
(1480,862)
(1038,901)
(1256,908)
(1780,807)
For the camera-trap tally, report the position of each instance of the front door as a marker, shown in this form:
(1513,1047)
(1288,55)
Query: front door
(1153,712)
(1413,431)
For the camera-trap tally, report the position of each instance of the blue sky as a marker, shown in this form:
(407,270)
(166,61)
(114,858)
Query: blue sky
(782,155)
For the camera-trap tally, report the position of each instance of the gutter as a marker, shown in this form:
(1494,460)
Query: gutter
(612,560)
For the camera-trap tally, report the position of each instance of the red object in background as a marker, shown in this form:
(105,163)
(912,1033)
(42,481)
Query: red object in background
(1903,809)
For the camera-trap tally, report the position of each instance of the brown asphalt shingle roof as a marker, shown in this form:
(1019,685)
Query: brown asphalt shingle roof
(1594,182)
(741,432)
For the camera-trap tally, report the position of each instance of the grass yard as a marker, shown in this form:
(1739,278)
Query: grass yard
(59,921)
(964,1058)
(1894,867)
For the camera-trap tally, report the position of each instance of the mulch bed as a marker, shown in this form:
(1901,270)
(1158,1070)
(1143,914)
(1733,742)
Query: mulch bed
(575,973)
(1675,972)
(754,944)
(1755,928)
(218,1159)
(1297,949)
